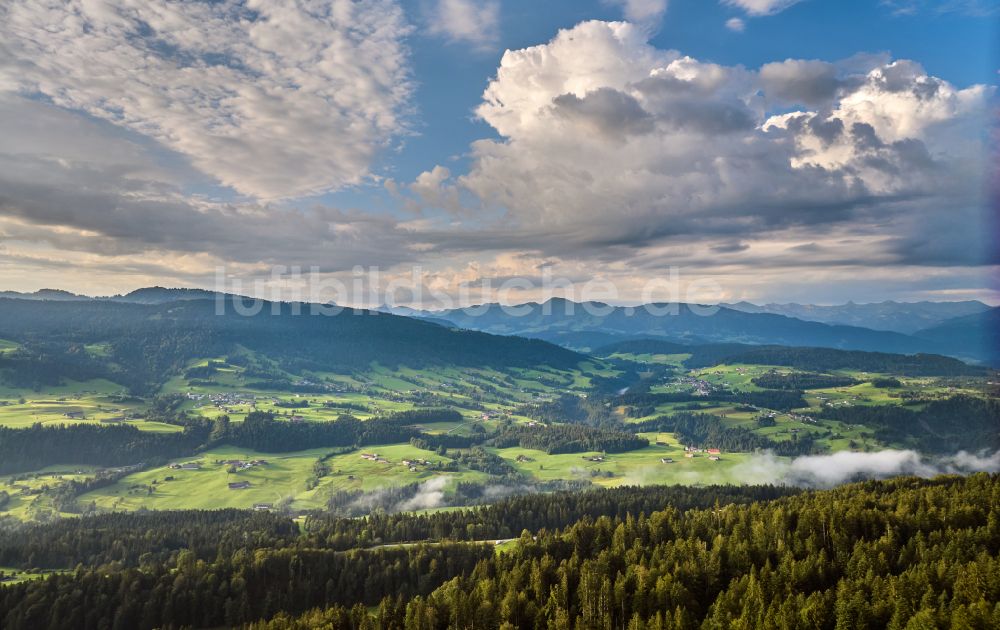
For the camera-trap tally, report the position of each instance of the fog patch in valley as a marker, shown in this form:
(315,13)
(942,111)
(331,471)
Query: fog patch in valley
(824,471)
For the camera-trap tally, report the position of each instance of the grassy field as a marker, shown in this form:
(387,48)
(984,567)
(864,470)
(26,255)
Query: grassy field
(27,491)
(282,477)
(290,479)
(640,467)
(11,575)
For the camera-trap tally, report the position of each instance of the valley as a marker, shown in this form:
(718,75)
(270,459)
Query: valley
(434,435)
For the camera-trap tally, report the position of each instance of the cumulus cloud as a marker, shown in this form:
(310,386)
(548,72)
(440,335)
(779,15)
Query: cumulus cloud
(761,7)
(607,141)
(273,98)
(844,466)
(476,22)
(434,191)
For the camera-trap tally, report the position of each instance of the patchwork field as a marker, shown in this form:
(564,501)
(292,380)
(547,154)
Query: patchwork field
(486,400)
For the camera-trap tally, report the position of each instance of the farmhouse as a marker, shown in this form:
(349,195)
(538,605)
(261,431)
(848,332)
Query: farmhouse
(239,485)
(666,460)
(714,458)
(262,507)
(74,415)
(688,455)
(714,451)
(244,465)
(186,466)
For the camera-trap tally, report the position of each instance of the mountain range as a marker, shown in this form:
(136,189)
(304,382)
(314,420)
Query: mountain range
(585,326)
(901,317)
(965,330)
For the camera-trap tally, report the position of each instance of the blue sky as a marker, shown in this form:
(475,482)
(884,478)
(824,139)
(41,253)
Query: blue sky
(768,149)
(957,45)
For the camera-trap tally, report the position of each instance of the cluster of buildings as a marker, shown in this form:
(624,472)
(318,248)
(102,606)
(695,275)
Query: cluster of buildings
(81,415)
(240,464)
(409,463)
(225,400)
(413,463)
(714,454)
(700,387)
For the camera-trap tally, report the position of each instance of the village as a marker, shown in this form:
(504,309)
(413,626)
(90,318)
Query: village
(410,464)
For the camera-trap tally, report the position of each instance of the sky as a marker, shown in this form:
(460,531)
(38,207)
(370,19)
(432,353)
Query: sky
(812,151)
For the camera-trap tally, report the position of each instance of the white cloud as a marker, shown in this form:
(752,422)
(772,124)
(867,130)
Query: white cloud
(837,468)
(74,188)
(431,187)
(646,13)
(761,7)
(274,98)
(473,21)
(977,8)
(609,144)
(736,25)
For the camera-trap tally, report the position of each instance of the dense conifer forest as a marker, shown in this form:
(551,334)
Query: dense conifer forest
(905,553)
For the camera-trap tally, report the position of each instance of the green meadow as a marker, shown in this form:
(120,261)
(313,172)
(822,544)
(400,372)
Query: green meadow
(484,397)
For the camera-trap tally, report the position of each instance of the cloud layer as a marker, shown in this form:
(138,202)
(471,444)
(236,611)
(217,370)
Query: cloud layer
(197,134)
(274,98)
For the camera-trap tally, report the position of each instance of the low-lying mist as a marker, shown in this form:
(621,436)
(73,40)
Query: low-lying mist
(808,471)
(824,471)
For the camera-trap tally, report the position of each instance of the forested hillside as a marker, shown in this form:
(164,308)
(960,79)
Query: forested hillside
(805,358)
(905,553)
(147,343)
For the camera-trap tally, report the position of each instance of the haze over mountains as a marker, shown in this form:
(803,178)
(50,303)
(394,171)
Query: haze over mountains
(964,330)
(588,326)
(902,317)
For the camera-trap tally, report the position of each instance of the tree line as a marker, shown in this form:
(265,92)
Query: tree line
(903,553)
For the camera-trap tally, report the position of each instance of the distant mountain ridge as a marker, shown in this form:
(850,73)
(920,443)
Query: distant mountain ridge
(146,295)
(901,317)
(961,329)
(589,325)
(162,295)
(44,294)
(969,336)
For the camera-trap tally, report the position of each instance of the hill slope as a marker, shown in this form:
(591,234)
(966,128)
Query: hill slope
(145,343)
